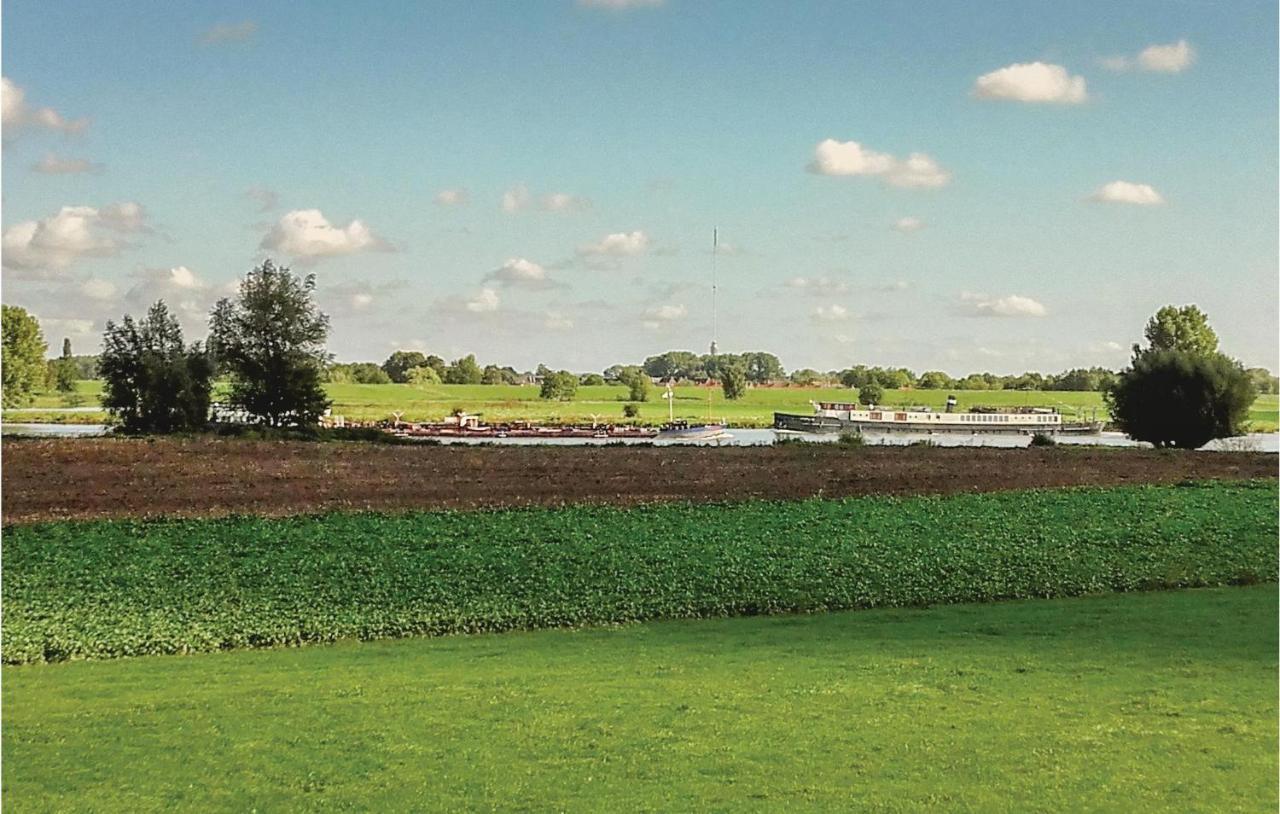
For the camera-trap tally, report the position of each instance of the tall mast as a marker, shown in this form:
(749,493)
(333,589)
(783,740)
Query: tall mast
(715,245)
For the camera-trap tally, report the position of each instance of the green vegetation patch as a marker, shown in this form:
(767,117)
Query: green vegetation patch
(1159,701)
(120,588)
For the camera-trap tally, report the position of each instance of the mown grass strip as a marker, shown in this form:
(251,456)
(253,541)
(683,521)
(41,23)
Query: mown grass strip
(120,588)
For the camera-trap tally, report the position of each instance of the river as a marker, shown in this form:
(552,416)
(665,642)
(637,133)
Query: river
(1255,442)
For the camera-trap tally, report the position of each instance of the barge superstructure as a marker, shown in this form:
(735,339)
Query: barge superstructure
(831,417)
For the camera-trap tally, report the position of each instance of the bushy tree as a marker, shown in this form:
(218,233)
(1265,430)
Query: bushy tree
(631,410)
(423,376)
(1175,398)
(561,385)
(805,377)
(22,362)
(153,382)
(368,373)
(638,383)
(870,393)
(1263,380)
(1183,329)
(762,367)
(492,374)
(733,380)
(464,371)
(270,340)
(592,380)
(935,380)
(399,364)
(675,364)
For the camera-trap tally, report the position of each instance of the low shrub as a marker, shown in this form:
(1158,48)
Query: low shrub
(851,439)
(121,588)
(1042,439)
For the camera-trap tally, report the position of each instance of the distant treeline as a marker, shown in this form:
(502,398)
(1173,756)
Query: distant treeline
(761,369)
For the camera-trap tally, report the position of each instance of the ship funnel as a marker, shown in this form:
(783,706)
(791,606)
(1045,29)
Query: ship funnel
(951,404)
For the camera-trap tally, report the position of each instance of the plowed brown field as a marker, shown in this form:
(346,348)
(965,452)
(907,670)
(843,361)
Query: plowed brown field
(84,478)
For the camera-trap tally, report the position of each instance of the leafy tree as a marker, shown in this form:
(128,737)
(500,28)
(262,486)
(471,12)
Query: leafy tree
(561,385)
(270,340)
(733,380)
(631,410)
(22,360)
(399,364)
(1183,329)
(153,382)
(1175,398)
(675,364)
(638,383)
(437,364)
(613,372)
(870,393)
(762,367)
(464,371)
(935,380)
(368,373)
(592,380)
(805,377)
(1263,380)
(893,379)
(423,376)
(492,375)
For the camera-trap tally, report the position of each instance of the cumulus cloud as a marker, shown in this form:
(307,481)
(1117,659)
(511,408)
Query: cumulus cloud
(451,197)
(516,198)
(1126,192)
(617,244)
(1032,82)
(563,202)
(229,32)
(56,165)
(1014,305)
(43,248)
(908,224)
(849,158)
(818,286)
(519,272)
(1174,57)
(831,313)
(16,115)
(485,301)
(186,294)
(308,236)
(656,316)
(265,197)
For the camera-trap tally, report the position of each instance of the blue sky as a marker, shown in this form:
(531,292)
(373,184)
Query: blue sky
(620,134)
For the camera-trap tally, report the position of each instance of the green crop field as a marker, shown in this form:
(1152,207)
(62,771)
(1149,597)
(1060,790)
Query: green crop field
(120,588)
(375,402)
(1139,702)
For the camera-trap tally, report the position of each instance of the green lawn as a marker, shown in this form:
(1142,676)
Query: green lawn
(1137,702)
(517,402)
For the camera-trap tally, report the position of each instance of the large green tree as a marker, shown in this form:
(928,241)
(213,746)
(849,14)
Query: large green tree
(270,339)
(153,382)
(733,380)
(401,362)
(561,385)
(464,371)
(23,352)
(1174,398)
(1183,329)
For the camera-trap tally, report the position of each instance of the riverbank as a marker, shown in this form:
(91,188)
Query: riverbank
(193,477)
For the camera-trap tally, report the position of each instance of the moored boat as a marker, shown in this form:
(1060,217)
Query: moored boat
(830,417)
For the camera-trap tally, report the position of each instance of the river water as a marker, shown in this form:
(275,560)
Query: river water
(1256,442)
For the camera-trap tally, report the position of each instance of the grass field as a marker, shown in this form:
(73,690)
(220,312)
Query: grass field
(515,402)
(1137,702)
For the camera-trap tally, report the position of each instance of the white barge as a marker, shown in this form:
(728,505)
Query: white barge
(845,417)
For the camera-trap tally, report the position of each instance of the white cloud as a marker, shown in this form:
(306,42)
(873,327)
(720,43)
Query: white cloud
(1014,305)
(452,197)
(485,301)
(908,224)
(818,286)
(98,289)
(620,5)
(1032,82)
(1126,192)
(563,202)
(556,321)
(41,248)
(188,296)
(55,165)
(230,32)
(516,198)
(1172,58)
(617,244)
(307,235)
(517,271)
(80,331)
(16,115)
(664,313)
(849,158)
(831,313)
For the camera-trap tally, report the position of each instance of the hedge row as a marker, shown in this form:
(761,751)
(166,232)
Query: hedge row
(118,588)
